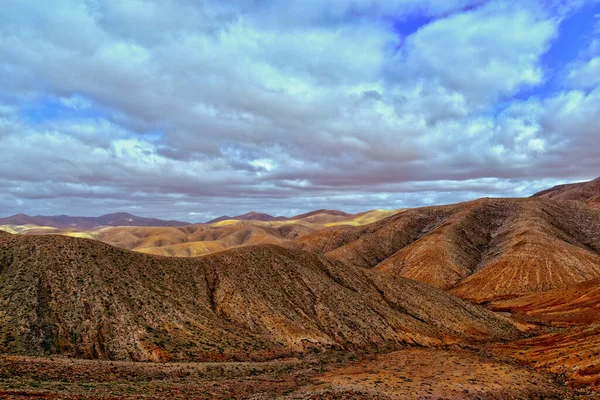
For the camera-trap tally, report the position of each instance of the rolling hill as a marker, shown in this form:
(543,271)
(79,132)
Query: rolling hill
(83,298)
(315,219)
(200,239)
(483,250)
(196,240)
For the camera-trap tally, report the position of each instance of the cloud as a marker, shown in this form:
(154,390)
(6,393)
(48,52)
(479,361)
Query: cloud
(172,107)
(584,74)
(480,55)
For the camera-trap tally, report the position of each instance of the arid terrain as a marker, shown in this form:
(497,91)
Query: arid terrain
(180,239)
(488,299)
(483,250)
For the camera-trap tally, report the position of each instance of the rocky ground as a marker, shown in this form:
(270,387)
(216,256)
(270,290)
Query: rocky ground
(410,373)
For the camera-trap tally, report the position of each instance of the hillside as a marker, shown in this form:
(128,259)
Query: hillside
(251,216)
(583,191)
(83,298)
(577,304)
(483,250)
(65,221)
(201,239)
(572,345)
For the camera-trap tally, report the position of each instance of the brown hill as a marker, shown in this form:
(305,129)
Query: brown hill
(64,221)
(485,249)
(196,240)
(572,352)
(577,304)
(321,211)
(83,298)
(251,216)
(314,219)
(572,346)
(582,191)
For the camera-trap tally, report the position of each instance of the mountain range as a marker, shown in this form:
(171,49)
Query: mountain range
(185,240)
(505,282)
(65,221)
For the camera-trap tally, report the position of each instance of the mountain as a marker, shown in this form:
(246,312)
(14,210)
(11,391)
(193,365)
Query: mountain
(83,298)
(200,239)
(320,212)
(583,191)
(318,217)
(65,221)
(251,216)
(322,217)
(219,219)
(482,250)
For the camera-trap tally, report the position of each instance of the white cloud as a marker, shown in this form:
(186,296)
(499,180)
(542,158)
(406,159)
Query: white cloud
(584,74)
(277,104)
(482,54)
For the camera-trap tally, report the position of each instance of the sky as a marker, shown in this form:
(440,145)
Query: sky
(190,109)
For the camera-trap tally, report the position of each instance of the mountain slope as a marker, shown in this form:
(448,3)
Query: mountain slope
(485,249)
(83,298)
(577,304)
(251,216)
(582,191)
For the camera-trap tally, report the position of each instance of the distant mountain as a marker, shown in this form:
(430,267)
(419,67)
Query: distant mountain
(583,191)
(219,219)
(194,239)
(321,216)
(322,211)
(65,221)
(251,216)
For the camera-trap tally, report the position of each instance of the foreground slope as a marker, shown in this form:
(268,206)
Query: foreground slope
(83,298)
(408,373)
(572,345)
(485,249)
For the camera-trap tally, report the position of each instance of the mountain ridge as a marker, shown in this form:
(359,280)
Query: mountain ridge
(64,221)
(588,191)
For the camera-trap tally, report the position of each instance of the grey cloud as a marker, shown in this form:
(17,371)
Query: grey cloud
(186,107)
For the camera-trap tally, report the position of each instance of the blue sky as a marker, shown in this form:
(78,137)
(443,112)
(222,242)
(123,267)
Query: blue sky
(189,110)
